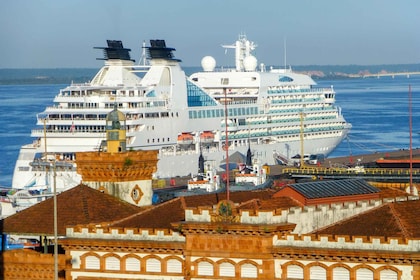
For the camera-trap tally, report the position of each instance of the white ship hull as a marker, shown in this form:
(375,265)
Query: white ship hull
(276,113)
(184,164)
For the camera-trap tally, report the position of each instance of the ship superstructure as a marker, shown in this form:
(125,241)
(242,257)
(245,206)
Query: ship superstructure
(277,112)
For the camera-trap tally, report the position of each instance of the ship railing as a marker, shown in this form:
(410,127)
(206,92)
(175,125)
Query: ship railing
(281,131)
(274,110)
(169,151)
(242,102)
(299,100)
(63,117)
(348,170)
(299,90)
(289,120)
(80,84)
(86,132)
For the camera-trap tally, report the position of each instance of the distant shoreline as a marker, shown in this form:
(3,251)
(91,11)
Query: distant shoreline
(82,75)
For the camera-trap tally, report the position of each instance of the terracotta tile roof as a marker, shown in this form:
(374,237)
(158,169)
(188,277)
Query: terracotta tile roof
(237,197)
(162,215)
(282,202)
(391,193)
(396,219)
(79,205)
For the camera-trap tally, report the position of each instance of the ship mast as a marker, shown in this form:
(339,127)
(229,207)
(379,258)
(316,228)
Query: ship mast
(243,48)
(143,58)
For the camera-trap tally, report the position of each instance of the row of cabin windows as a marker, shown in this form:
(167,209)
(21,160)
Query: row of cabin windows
(103,116)
(215,113)
(157,140)
(93,92)
(148,104)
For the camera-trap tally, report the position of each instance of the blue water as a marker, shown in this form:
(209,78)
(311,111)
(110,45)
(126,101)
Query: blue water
(19,106)
(377,109)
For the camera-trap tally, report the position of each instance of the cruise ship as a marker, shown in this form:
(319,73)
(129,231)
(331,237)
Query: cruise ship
(276,112)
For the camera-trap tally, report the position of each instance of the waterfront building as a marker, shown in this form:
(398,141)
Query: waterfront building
(262,234)
(249,240)
(254,235)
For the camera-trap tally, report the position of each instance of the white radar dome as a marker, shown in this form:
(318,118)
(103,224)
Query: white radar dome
(208,63)
(250,63)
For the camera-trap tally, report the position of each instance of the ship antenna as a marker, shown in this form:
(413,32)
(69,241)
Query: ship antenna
(143,58)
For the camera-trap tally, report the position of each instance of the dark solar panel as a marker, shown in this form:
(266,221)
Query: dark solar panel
(319,189)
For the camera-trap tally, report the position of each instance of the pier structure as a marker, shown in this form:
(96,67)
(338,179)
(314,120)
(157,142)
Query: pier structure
(401,175)
(386,74)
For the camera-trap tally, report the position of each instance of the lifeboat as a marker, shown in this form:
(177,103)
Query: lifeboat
(206,137)
(185,138)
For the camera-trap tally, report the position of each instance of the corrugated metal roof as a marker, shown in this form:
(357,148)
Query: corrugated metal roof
(320,189)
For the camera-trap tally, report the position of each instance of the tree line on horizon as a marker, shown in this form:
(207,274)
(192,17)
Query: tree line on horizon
(82,75)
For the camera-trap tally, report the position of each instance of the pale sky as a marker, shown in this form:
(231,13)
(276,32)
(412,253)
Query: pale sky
(58,33)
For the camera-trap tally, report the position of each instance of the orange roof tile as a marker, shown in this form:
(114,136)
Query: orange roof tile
(79,205)
(162,215)
(396,219)
(392,192)
(282,202)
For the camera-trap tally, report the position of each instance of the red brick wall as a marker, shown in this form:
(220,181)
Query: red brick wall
(28,264)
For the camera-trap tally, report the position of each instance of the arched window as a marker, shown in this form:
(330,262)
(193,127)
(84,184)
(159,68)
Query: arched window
(92,262)
(173,266)
(364,274)
(294,272)
(205,269)
(388,274)
(341,273)
(226,269)
(112,263)
(317,273)
(132,264)
(153,265)
(249,271)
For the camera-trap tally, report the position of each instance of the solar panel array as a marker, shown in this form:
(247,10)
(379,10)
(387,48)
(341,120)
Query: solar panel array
(331,188)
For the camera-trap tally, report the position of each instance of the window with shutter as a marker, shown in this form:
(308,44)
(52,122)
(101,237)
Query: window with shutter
(294,272)
(341,273)
(112,263)
(364,274)
(388,274)
(227,269)
(205,269)
(132,264)
(248,270)
(92,262)
(153,265)
(173,266)
(318,273)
